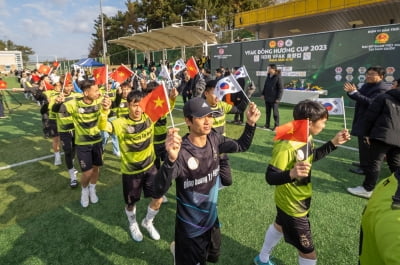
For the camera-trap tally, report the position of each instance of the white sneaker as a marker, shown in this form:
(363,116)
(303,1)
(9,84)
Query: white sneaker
(85,197)
(57,160)
(172,249)
(164,199)
(135,232)
(360,191)
(92,195)
(151,229)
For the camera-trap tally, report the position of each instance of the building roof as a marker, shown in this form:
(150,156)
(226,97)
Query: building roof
(167,38)
(311,16)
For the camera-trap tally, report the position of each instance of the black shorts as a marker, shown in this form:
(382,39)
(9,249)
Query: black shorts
(132,185)
(198,250)
(296,231)
(89,156)
(67,141)
(52,128)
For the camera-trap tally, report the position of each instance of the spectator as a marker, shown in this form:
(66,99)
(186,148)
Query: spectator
(272,94)
(381,134)
(363,97)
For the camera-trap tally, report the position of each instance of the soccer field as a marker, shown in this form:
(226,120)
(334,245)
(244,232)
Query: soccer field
(42,222)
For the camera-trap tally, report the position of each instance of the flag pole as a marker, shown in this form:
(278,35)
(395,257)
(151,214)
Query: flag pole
(169,107)
(344,114)
(65,79)
(237,84)
(308,134)
(247,74)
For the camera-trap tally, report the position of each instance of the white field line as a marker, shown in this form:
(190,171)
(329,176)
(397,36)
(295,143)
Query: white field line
(177,125)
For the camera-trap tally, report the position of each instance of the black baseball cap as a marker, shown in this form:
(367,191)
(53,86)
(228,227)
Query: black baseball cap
(197,107)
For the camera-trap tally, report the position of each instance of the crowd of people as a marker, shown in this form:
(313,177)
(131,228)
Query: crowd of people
(79,117)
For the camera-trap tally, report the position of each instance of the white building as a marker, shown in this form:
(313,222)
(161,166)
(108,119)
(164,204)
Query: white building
(10,61)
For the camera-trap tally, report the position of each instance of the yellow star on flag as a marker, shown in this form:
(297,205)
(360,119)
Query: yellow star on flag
(158,102)
(121,74)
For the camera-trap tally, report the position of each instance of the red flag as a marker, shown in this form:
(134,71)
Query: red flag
(3,84)
(48,86)
(121,74)
(100,75)
(191,67)
(296,130)
(56,64)
(155,104)
(44,69)
(67,79)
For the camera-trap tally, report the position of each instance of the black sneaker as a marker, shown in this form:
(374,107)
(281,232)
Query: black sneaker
(73,184)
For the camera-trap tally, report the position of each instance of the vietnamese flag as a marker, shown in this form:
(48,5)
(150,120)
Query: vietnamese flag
(100,75)
(156,103)
(296,130)
(44,69)
(48,86)
(3,84)
(56,64)
(191,67)
(121,74)
(67,79)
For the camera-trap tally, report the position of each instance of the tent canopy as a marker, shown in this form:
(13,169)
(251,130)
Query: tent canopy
(167,38)
(88,62)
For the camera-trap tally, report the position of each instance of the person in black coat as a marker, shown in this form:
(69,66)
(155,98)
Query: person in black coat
(272,94)
(373,87)
(382,130)
(363,97)
(238,98)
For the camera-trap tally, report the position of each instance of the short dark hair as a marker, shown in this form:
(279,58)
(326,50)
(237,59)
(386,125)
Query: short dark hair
(273,66)
(86,84)
(210,85)
(134,96)
(379,69)
(311,110)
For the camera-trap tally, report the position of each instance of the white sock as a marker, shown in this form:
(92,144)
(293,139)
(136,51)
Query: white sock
(151,214)
(303,261)
(72,173)
(92,186)
(131,215)
(57,155)
(272,238)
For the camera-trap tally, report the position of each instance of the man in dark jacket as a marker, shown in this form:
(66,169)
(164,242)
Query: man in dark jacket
(382,130)
(373,87)
(272,94)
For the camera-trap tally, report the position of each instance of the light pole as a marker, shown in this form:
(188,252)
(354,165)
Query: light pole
(102,35)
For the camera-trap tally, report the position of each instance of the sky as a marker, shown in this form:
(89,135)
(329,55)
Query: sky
(54,29)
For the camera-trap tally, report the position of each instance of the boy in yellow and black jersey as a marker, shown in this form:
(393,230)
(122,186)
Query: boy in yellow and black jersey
(85,112)
(66,130)
(135,133)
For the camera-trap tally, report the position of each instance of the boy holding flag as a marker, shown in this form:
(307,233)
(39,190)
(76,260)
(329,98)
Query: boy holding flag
(135,133)
(290,170)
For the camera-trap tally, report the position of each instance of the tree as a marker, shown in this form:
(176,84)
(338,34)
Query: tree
(11,46)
